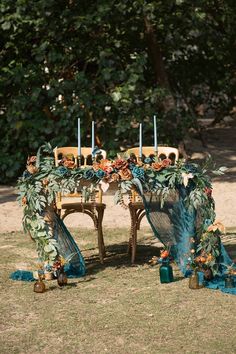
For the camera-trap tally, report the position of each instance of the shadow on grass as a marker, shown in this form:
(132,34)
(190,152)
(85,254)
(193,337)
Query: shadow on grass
(117,257)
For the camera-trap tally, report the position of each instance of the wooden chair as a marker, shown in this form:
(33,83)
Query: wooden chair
(66,204)
(136,207)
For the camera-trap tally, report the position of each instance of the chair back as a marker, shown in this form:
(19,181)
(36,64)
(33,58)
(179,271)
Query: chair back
(85,158)
(163,152)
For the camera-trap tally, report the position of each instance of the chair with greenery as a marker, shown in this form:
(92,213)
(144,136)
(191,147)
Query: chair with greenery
(76,202)
(136,206)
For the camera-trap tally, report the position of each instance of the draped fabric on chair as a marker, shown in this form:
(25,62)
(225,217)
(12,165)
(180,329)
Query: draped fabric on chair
(175,225)
(172,224)
(68,249)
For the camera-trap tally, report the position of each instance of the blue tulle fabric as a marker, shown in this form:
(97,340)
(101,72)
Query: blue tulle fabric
(67,248)
(174,224)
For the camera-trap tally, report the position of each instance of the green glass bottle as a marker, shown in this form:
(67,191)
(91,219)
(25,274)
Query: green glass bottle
(166,272)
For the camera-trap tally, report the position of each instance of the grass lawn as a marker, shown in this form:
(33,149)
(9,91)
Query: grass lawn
(115,308)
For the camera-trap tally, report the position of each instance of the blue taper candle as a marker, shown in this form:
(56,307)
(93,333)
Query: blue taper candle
(140,140)
(93,140)
(79,138)
(155,133)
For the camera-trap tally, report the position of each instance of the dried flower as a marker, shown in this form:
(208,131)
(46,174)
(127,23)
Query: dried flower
(166,163)
(69,164)
(157,166)
(186,177)
(165,254)
(24,200)
(31,169)
(120,164)
(217,225)
(125,174)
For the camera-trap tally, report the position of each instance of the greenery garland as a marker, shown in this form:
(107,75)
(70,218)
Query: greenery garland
(42,180)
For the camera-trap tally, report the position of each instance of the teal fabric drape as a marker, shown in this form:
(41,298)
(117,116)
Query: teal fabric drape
(67,248)
(175,226)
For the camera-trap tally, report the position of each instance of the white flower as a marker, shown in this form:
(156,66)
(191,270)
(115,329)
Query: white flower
(186,177)
(104,186)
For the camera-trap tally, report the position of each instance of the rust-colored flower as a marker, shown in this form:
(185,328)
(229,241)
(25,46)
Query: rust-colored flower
(165,163)
(208,191)
(217,225)
(157,166)
(24,200)
(69,163)
(105,165)
(120,164)
(31,169)
(45,182)
(31,160)
(125,174)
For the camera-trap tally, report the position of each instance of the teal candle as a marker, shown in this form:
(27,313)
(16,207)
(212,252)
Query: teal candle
(155,133)
(140,140)
(79,138)
(93,139)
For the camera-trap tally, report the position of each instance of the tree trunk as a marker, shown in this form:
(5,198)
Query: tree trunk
(156,58)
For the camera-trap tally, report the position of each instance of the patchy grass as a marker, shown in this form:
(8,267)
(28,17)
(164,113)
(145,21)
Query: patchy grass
(116,308)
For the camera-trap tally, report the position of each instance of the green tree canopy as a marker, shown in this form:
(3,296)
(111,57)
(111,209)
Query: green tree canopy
(115,62)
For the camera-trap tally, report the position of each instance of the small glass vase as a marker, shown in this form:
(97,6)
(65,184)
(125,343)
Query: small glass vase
(61,277)
(166,273)
(194,281)
(39,286)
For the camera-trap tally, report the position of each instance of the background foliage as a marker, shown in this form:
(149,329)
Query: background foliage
(115,62)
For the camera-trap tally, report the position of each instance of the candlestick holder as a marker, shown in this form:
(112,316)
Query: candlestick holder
(78,160)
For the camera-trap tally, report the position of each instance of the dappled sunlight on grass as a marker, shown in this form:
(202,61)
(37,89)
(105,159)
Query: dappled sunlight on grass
(115,308)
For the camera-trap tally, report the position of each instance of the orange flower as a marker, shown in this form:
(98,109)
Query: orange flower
(209,258)
(157,166)
(105,165)
(24,200)
(125,174)
(120,164)
(31,160)
(217,225)
(165,254)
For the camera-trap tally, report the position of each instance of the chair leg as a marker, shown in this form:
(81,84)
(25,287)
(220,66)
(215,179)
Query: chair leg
(101,246)
(133,233)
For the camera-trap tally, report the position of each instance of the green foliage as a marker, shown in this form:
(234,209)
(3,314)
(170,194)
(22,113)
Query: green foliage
(38,189)
(112,61)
